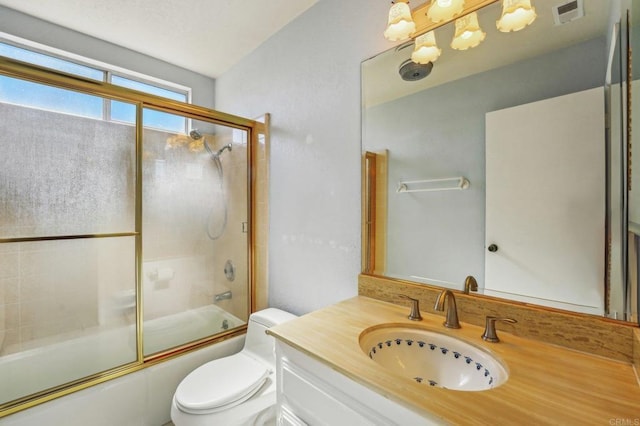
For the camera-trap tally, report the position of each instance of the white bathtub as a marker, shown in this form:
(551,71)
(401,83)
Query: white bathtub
(30,371)
(174,330)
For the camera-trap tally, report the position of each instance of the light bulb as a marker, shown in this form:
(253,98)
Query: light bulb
(444,10)
(426,50)
(400,25)
(516,14)
(468,32)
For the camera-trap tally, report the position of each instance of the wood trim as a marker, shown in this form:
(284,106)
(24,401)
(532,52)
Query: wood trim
(374,211)
(424,24)
(368,210)
(380,229)
(260,214)
(636,353)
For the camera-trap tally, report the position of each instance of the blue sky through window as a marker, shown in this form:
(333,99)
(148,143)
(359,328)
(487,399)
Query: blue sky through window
(25,93)
(47,61)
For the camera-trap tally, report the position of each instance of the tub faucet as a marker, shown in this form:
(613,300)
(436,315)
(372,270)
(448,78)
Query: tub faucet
(223,296)
(451,320)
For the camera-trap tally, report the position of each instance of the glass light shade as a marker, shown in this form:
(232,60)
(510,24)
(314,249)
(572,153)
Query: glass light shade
(426,50)
(516,14)
(468,33)
(401,24)
(443,10)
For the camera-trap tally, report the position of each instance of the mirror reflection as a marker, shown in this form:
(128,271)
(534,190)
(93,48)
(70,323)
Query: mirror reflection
(498,162)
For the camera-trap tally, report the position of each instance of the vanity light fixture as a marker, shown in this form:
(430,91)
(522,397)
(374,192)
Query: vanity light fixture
(426,50)
(421,22)
(516,14)
(444,10)
(468,33)
(400,25)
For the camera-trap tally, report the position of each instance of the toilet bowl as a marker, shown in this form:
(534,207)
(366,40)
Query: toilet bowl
(236,390)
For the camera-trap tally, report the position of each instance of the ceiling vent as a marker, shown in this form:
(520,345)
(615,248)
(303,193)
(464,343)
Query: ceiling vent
(568,11)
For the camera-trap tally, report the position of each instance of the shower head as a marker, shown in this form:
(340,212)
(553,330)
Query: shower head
(195,134)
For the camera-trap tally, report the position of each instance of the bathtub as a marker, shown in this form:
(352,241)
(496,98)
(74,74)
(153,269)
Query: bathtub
(169,331)
(34,370)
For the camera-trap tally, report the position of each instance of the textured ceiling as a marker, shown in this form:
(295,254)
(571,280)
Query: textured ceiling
(205,36)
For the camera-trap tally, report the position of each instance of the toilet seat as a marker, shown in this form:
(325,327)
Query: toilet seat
(221,384)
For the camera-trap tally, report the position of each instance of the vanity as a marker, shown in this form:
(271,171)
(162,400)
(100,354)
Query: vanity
(325,377)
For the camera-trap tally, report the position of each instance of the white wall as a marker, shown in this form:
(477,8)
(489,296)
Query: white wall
(308,77)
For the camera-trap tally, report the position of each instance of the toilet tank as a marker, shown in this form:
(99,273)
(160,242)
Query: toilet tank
(258,343)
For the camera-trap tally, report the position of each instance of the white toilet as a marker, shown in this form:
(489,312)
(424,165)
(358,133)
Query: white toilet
(235,390)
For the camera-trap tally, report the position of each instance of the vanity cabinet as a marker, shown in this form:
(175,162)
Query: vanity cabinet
(311,393)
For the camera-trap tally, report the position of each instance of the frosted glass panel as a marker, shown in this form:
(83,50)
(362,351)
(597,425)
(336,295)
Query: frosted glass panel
(62,174)
(67,310)
(194,224)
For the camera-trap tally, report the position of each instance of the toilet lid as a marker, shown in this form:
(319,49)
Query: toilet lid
(221,383)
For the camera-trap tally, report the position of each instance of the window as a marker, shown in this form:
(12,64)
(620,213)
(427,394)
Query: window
(24,93)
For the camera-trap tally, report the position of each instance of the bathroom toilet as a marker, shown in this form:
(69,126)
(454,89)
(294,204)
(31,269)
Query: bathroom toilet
(236,390)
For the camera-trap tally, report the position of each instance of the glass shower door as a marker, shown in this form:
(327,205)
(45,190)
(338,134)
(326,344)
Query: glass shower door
(67,239)
(195,271)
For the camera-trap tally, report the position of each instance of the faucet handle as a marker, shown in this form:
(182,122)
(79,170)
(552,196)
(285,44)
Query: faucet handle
(414,315)
(490,334)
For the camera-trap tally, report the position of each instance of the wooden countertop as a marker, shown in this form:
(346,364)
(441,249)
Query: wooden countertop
(547,384)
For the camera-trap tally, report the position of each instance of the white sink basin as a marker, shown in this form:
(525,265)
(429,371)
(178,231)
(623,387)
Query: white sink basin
(433,359)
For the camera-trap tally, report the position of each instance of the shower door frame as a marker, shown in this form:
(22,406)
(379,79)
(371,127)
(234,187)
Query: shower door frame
(37,74)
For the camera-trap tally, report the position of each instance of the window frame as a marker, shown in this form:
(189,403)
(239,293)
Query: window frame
(108,72)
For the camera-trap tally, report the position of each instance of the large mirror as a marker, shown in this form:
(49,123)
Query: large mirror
(507,161)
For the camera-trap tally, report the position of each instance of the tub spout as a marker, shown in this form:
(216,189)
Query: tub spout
(223,296)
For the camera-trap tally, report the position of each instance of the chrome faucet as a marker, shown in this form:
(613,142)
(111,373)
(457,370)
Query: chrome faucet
(451,320)
(223,296)
(470,284)
(414,315)
(490,334)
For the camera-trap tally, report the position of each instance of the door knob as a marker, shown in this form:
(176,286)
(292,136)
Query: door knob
(493,248)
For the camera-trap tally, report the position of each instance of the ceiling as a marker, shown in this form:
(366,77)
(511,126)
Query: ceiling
(384,84)
(205,36)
